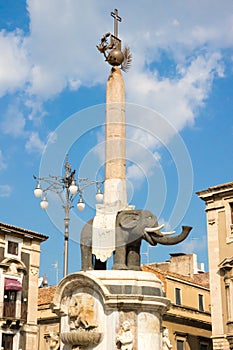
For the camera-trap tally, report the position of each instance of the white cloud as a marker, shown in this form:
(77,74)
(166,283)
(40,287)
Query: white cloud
(14,66)
(34,143)
(5,191)
(62,54)
(36,109)
(178,98)
(3,164)
(13,122)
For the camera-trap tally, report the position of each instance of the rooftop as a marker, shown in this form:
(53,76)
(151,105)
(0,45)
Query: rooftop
(45,296)
(14,229)
(200,279)
(215,189)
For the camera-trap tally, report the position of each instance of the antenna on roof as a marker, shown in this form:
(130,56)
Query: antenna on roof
(55,265)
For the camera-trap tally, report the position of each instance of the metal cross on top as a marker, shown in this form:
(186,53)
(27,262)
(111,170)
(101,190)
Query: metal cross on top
(116,20)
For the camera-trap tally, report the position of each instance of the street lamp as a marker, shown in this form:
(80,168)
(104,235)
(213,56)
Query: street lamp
(67,188)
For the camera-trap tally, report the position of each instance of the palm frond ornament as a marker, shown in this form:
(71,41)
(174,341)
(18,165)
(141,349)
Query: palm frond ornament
(126,64)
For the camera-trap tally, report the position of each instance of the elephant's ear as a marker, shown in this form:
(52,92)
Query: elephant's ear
(128,220)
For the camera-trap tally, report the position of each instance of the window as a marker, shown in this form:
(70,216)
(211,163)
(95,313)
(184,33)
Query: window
(13,248)
(228,299)
(180,344)
(200,302)
(9,308)
(231,207)
(178,296)
(7,341)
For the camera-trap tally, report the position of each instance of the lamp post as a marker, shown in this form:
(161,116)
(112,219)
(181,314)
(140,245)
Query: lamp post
(67,188)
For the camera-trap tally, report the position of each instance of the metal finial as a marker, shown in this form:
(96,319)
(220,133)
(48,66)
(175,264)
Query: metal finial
(110,47)
(116,20)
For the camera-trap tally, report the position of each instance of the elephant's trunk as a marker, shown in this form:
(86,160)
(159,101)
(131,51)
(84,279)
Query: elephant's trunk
(170,240)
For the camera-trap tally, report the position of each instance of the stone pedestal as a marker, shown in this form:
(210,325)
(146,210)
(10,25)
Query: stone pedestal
(105,310)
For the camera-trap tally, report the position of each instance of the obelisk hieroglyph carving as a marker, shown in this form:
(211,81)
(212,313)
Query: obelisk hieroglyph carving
(115,194)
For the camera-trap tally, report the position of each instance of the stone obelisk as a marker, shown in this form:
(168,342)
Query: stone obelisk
(111,309)
(115,194)
(115,148)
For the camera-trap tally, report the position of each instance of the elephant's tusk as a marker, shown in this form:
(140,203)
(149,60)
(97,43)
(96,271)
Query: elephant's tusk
(168,233)
(153,229)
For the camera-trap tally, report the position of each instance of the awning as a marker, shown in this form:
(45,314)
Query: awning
(12,284)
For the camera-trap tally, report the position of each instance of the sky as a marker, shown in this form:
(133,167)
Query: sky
(178,112)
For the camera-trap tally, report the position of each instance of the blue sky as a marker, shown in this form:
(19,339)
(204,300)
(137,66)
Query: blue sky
(179,111)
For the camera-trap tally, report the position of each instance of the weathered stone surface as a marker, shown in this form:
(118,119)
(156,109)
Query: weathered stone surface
(98,321)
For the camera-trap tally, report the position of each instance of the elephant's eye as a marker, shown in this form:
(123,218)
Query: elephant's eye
(149,217)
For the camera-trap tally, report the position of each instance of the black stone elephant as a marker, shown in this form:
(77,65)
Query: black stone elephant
(89,262)
(131,227)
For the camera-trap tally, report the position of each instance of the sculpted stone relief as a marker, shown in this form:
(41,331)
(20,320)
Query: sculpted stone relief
(83,325)
(124,338)
(82,313)
(53,341)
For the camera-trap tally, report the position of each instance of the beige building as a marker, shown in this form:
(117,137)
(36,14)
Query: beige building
(48,322)
(188,321)
(219,212)
(19,266)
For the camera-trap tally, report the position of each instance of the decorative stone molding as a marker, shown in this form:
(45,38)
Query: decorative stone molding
(13,266)
(211,221)
(34,271)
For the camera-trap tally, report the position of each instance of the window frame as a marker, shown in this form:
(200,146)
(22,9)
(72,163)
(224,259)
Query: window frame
(13,248)
(201,306)
(229,219)
(16,240)
(181,337)
(178,298)
(180,341)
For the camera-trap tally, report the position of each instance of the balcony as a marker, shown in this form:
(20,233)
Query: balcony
(14,311)
(9,309)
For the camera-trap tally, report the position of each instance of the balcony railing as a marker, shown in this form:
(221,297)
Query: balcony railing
(13,311)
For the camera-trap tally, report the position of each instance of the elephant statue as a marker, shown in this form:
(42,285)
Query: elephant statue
(131,227)
(88,259)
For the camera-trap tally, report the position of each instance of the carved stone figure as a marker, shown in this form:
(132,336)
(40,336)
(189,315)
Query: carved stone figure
(53,341)
(125,337)
(84,331)
(131,227)
(166,344)
(82,313)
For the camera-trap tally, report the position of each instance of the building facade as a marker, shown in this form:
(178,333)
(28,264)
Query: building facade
(188,320)
(219,213)
(19,266)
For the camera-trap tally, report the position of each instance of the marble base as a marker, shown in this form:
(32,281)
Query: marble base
(110,309)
